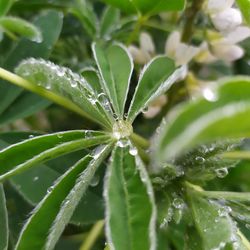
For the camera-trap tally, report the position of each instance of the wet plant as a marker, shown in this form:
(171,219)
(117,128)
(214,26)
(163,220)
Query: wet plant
(147,193)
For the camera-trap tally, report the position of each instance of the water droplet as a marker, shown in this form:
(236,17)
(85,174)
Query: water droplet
(122,143)
(248,226)
(224,211)
(145,110)
(95,181)
(221,172)
(31,136)
(88,134)
(209,95)
(178,203)
(49,190)
(66,202)
(36,178)
(133,151)
(59,136)
(200,159)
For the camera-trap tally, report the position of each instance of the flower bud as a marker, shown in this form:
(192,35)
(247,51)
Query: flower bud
(215,6)
(227,20)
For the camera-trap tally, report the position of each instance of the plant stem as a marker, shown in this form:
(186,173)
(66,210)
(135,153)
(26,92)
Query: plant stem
(21,82)
(190,15)
(245,241)
(92,236)
(141,20)
(139,140)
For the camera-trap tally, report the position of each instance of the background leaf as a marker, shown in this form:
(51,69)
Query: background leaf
(130,215)
(244,6)
(4,229)
(147,6)
(204,120)
(21,27)
(5,6)
(24,49)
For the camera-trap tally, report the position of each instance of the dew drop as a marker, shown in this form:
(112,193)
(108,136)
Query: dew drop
(59,136)
(178,203)
(145,110)
(87,134)
(122,143)
(31,136)
(209,95)
(200,159)
(133,151)
(221,172)
(36,178)
(95,181)
(49,190)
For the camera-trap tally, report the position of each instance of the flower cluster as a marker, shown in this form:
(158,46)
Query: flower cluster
(230,30)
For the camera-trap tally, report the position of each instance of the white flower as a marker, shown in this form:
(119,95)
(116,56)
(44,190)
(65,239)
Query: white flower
(227,52)
(155,107)
(237,35)
(180,52)
(227,20)
(215,6)
(205,56)
(146,50)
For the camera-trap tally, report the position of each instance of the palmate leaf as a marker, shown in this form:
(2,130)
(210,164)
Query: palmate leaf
(205,120)
(148,7)
(63,82)
(4,230)
(115,66)
(46,147)
(130,209)
(21,27)
(214,224)
(61,202)
(155,79)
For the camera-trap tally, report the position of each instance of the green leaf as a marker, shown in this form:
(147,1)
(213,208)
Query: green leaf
(221,114)
(115,76)
(92,77)
(24,49)
(34,183)
(86,15)
(46,147)
(21,27)
(130,209)
(155,78)
(43,229)
(4,231)
(213,223)
(64,83)
(147,6)
(22,107)
(244,6)
(109,22)
(5,6)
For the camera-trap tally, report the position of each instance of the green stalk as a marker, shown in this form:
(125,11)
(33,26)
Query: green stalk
(92,236)
(140,141)
(243,197)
